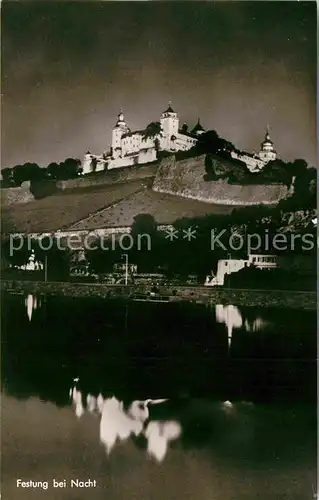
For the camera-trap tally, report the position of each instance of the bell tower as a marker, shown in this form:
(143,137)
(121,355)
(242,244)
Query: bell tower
(117,132)
(169,124)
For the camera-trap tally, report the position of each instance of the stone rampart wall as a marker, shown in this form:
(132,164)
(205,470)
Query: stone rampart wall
(113,176)
(186,178)
(16,195)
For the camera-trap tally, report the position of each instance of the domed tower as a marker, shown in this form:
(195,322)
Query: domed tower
(267,152)
(117,132)
(169,124)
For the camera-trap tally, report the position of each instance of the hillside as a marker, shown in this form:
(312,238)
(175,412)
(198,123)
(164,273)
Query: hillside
(102,207)
(186,178)
(165,209)
(178,191)
(61,210)
(16,195)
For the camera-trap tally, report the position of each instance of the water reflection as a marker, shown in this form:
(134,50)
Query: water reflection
(231,317)
(184,352)
(77,400)
(119,424)
(158,435)
(212,450)
(116,424)
(31,303)
(256,324)
(153,424)
(209,444)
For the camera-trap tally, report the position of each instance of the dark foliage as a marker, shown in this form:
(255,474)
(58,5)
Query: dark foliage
(15,176)
(274,279)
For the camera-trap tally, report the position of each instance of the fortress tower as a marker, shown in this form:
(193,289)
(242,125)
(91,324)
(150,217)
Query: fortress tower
(267,152)
(170,124)
(117,132)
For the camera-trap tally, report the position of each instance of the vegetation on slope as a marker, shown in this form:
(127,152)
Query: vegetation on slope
(190,250)
(64,209)
(15,176)
(236,172)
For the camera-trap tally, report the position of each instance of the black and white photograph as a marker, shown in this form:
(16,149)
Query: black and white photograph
(158,191)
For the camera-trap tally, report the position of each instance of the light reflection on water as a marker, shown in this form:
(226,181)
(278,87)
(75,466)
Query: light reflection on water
(235,452)
(232,318)
(32,303)
(118,424)
(229,315)
(201,448)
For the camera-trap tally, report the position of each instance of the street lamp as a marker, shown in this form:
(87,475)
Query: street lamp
(229,267)
(46,268)
(126,267)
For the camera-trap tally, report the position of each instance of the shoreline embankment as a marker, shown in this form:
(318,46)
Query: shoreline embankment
(305,300)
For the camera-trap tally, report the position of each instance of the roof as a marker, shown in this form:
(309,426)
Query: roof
(129,134)
(169,109)
(267,139)
(198,127)
(188,134)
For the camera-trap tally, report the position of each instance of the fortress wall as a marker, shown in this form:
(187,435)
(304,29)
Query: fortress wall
(186,178)
(16,195)
(113,176)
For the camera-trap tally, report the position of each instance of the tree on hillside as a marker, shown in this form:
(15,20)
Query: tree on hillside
(277,171)
(57,260)
(100,259)
(53,170)
(70,168)
(208,142)
(153,131)
(19,175)
(27,172)
(34,172)
(146,237)
(298,167)
(305,189)
(190,251)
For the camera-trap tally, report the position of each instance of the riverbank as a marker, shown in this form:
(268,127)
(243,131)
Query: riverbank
(199,294)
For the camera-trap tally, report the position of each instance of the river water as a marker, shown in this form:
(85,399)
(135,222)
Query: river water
(238,420)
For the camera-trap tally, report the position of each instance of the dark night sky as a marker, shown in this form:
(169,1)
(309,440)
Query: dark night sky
(67,68)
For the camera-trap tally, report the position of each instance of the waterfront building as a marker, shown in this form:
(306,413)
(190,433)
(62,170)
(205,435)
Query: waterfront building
(230,266)
(32,264)
(121,267)
(80,269)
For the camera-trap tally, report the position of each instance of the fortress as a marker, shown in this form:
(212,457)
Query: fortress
(138,147)
(141,146)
